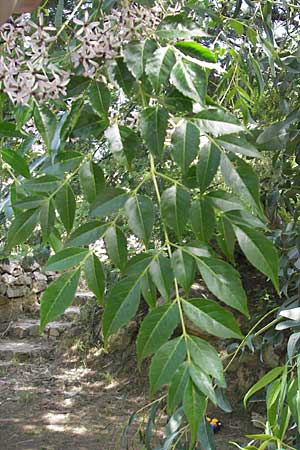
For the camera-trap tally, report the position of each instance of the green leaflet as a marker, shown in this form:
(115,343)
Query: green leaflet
(224,282)
(87,233)
(159,66)
(202,218)
(153,126)
(206,357)
(207,166)
(165,362)
(212,318)
(156,329)
(16,161)
(66,206)
(194,407)
(47,217)
(218,122)
(259,250)
(185,144)
(57,297)
(136,54)
(264,381)
(116,246)
(175,204)
(184,269)
(22,227)
(190,79)
(108,201)
(162,276)
(177,387)
(99,96)
(243,181)
(95,276)
(91,180)
(66,258)
(139,211)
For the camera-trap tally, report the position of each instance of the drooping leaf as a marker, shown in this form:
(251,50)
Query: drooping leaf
(206,436)
(185,144)
(47,126)
(165,362)
(22,227)
(226,238)
(264,381)
(121,305)
(208,164)
(224,282)
(99,96)
(162,275)
(225,201)
(116,246)
(206,357)
(194,406)
(139,211)
(156,329)
(243,181)
(44,183)
(95,276)
(177,387)
(16,161)
(153,126)
(64,162)
(66,258)
(175,205)
(66,206)
(136,54)
(108,201)
(122,142)
(58,297)
(218,122)
(159,66)
(184,269)
(31,202)
(8,129)
(190,79)
(238,144)
(120,75)
(149,291)
(202,218)
(47,217)
(202,381)
(91,180)
(259,250)
(210,317)
(87,233)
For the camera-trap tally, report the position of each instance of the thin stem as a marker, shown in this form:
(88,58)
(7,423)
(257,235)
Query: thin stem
(167,243)
(243,342)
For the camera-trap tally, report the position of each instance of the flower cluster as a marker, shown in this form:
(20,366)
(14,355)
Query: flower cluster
(98,41)
(25,69)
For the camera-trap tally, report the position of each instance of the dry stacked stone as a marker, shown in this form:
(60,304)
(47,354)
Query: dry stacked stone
(20,288)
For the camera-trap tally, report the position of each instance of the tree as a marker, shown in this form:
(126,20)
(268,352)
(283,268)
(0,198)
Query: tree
(157,116)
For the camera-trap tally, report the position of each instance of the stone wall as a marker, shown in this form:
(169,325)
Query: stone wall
(20,288)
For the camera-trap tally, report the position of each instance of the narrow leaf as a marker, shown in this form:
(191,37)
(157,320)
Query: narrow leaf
(156,329)
(66,258)
(66,206)
(95,277)
(153,126)
(58,297)
(175,204)
(116,246)
(139,211)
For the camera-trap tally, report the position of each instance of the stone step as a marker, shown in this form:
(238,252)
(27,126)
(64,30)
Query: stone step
(23,350)
(30,328)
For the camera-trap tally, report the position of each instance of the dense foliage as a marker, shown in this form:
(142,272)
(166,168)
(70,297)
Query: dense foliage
(159,119)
